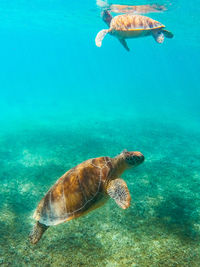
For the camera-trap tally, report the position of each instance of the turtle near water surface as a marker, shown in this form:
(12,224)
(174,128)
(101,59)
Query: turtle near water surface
(83,189)
(131,26)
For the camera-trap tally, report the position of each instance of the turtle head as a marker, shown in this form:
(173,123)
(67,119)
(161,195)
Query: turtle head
(106,16)
(126,160)
(133,158)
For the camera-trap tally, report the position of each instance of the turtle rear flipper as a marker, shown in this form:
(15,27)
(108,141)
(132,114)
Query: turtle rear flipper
(158,36)
(100,36)
(37,232)
(118,190)
(168,34)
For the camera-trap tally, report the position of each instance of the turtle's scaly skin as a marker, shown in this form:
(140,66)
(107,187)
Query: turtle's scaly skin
(130,26)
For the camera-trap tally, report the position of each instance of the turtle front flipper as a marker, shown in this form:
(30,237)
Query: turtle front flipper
(106,16)
(158,36)
(118,190)
(168,34)
(124,43)
(37,232)
(100,36)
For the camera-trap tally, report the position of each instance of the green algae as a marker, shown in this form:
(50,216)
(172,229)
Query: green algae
(161,228)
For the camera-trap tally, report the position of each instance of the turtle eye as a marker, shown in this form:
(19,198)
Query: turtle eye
(130,160)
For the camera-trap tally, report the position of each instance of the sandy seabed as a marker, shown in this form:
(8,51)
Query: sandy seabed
(162,226)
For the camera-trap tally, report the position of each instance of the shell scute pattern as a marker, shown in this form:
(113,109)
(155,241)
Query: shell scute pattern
(74,192)
(129,22)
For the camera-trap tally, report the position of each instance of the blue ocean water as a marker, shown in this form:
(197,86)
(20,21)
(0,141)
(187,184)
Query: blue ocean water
(64,100)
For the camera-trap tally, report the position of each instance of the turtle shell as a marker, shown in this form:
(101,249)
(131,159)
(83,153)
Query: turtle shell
(78,191)
(128,26)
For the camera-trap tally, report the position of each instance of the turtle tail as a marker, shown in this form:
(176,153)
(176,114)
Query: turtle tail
(37,232)
(100,36)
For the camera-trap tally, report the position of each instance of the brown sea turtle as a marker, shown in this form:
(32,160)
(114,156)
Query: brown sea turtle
(132,26)
(84,188)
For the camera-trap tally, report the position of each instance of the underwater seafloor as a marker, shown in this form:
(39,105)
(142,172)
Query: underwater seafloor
(162,226)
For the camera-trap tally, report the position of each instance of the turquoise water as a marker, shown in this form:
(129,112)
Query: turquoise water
(64,100)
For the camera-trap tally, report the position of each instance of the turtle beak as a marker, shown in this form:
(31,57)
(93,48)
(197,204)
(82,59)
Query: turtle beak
(138,156)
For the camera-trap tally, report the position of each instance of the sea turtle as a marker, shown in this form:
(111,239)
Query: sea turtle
(84,188)
(132,26)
